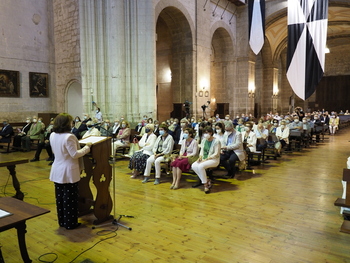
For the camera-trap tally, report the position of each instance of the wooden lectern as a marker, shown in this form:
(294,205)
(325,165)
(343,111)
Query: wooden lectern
(98,168)
(345,202)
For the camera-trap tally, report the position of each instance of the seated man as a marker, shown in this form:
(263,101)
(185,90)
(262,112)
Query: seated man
(295,126)
(318,127)
(231,149)
(45,145)
(17,140)
(282,134)
(6,132)
(34,133)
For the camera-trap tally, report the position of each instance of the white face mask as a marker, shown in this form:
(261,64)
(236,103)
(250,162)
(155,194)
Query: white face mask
(282,126)
(218,131)
(275,124)
(76,120)
(34,120)
(296,120)
(28,121)
(247,129)
(123,125)
(227,118)
(206,135)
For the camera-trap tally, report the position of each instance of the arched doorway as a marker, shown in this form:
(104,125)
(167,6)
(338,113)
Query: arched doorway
(221,73)
(174,63)
(74,99)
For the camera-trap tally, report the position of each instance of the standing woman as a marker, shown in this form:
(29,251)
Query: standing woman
(66,169)
(209,157)
(189,149)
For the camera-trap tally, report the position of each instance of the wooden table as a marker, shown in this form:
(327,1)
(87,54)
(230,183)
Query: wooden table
(10,162)
(21,212)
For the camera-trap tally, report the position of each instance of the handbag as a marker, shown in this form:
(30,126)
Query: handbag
(192,159)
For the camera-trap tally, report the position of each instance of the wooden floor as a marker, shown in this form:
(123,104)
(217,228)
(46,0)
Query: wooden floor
(281,212)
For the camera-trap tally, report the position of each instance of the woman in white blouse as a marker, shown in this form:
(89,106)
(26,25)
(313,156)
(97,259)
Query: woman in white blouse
(66,169)
(139,159)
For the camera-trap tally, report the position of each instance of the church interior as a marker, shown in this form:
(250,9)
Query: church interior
(149,57)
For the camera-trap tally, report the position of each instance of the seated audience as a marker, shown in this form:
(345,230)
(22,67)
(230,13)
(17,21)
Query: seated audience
(156,128)
(161,149)
(6,131)
(261,135)
(115,128)
(219,131)
(240,127)
(231,150)
(139,159)
(104,128)
(249,139)
(45,145)
(188,152)
(17,140)
(333,124)
(209,157)
(282,134)
(91,130)
(178,137)
(123,137)
(34,133)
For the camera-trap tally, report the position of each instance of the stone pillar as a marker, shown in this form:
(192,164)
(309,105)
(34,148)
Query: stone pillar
(117,57)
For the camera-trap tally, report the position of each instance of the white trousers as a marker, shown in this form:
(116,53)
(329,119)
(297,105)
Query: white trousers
(156,162)
(332,129)
(199,168)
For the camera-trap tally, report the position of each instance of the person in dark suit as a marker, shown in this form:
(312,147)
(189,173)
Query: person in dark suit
(22,132)
(6,132)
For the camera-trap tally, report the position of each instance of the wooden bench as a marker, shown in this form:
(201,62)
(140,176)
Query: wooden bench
(345,227)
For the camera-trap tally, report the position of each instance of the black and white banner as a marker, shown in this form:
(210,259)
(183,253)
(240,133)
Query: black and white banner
(307,37)
(256,10)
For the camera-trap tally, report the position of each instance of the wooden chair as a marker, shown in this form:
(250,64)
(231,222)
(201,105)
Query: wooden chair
(345,227)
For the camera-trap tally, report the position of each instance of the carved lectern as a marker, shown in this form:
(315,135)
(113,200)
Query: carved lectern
(98,168)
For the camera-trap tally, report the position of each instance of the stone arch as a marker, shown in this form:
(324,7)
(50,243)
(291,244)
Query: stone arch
(221,71)
(74,98)
(174,61)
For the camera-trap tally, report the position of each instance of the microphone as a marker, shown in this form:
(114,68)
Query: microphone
(127,216)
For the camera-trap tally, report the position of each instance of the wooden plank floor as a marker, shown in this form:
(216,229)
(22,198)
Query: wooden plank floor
(281,212)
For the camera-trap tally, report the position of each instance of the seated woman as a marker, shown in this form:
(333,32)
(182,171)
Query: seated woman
(91,130)
(209,157)
(123,137)
(220,130)
(189,148)
(139,158)
(249,139)
(162,147)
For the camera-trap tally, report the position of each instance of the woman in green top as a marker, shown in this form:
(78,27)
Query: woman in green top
(209,157)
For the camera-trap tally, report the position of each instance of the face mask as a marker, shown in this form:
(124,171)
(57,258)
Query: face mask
(227,118)
(275,124)
(315,118)
(217,116)
(183,125)
(76,120)
(39,120)
(287,121)
(156,125)
(247,129)
(296,120)
(121,119)
(116,123)
(147,130)
(145,118)
(282,126)
(304,121)
(85,117)
(218,131)
(34,120)
(161,132)
(28,121)
(123,125)
(206,135)
(185,136)
(97,111)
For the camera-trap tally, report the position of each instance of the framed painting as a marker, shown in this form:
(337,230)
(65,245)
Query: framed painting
(38,84)
(9,83)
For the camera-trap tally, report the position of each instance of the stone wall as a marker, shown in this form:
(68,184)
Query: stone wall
(67,49)
(27,45)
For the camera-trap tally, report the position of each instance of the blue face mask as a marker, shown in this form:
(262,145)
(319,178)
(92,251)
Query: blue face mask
(161,132)
(147,130)
(185,136)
